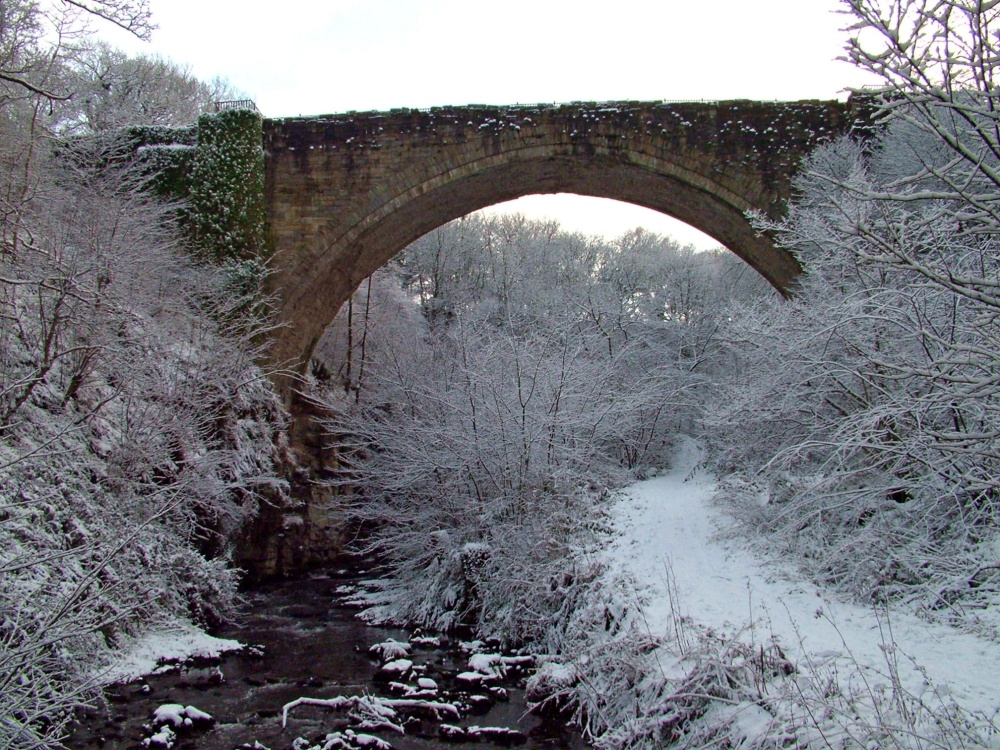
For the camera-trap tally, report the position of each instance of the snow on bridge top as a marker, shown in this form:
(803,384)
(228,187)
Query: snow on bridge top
(742,126)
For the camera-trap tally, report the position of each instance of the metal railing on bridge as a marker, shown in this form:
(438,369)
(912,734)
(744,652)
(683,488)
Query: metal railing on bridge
(237,104)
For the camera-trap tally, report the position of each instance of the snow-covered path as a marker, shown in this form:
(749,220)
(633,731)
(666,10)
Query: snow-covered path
(668,525)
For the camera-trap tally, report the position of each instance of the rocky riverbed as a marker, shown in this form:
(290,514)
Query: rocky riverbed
(360,687)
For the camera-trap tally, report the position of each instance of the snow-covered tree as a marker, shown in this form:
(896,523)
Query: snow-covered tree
(869,404)
(136,431)
(512,373)
(112,90)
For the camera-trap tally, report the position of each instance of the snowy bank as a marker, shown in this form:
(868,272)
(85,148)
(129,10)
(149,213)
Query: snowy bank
(161,647)
(695,576)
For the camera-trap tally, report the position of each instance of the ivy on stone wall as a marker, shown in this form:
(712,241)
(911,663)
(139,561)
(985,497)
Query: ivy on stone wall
(215,172)
(139,136)
(226,206)
(168,170)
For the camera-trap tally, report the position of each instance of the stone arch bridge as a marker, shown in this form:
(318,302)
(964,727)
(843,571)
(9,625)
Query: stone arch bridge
(345,193)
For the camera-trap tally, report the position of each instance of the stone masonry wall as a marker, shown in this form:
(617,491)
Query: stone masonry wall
(347,192)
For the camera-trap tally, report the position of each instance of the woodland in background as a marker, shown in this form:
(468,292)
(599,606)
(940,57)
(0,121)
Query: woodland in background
(494,383)
(136,432)
(523,369)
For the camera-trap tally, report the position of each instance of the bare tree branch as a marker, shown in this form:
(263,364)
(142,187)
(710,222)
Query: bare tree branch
(131,15)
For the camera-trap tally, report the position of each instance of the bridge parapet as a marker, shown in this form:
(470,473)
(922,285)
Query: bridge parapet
(769,137)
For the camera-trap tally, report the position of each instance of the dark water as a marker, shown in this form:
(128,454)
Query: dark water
(312,646)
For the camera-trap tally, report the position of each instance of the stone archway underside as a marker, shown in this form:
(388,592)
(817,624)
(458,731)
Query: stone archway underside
(345,193)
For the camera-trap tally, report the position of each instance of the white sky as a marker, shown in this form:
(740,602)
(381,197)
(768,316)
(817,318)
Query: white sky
(303,57)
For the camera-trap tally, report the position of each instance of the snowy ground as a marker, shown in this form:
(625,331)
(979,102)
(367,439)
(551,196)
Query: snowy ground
(673,541)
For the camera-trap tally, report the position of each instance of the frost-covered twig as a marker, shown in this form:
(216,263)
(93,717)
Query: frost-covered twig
(369,708)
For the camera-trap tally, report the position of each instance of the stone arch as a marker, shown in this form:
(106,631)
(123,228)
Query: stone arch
(347,193)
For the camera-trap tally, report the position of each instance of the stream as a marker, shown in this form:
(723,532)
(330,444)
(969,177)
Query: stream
(312,645)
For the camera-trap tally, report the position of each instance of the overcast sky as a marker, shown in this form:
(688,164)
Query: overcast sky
(303,57)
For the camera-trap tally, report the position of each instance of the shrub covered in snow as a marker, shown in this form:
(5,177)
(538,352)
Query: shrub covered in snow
(136,436)
(136,432)
(490,389)
(870,453)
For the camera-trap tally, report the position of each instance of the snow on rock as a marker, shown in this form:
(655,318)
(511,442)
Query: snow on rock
(471,678)
(478,705)
(164,738)
(408,691)
(170,713)
(690,567)
(451,733)
(343,741)
(519,662)
(367,740)
(170,643)
(396,667)
(494,735)
(487,664)
(426,641)
(551,678)
(390,650)
(196,715)
(177,715)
